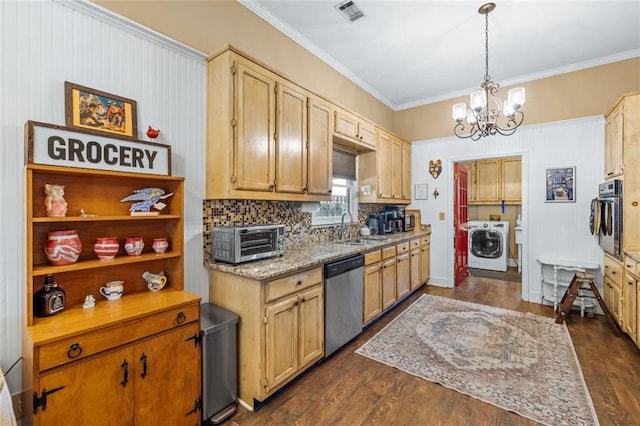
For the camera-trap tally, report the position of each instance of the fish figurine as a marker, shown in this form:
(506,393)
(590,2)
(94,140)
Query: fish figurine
(147,198)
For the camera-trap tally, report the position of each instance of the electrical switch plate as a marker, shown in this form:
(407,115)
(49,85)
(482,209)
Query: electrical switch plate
(441,215)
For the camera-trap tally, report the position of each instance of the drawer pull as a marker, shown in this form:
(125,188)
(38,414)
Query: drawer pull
(74,351)
(125,372)
(180,318)
(143,358)
(299,282)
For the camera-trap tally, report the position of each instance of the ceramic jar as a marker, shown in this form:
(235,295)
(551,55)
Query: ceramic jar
(134,245)
(63,247)
(112,290)
(160,245)
(106,248)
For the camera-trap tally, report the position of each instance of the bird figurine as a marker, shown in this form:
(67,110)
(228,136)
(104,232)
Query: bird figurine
(147,198)
(152,133)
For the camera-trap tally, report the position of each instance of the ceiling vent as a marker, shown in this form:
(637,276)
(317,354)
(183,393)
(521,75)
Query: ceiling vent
(350,10)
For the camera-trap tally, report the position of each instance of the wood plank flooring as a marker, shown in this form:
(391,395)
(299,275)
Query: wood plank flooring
(348,389)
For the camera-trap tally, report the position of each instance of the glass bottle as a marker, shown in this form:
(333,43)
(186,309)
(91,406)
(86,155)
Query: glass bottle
(50,299)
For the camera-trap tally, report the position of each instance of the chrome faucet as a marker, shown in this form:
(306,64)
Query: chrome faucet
(343,226)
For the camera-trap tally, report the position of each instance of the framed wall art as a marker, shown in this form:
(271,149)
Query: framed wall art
(420,191)
(101,113)
(561,185)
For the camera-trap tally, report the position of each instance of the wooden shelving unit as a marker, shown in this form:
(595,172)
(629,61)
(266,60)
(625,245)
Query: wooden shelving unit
(58,350)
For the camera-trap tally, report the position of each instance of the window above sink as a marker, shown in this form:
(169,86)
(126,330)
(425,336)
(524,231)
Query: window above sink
(344,197)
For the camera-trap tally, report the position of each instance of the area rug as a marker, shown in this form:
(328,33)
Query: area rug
(517,361)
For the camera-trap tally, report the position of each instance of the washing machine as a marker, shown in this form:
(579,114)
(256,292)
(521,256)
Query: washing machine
(489,245)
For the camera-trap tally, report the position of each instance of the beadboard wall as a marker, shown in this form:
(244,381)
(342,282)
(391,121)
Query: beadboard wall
(42,44)
(558,230)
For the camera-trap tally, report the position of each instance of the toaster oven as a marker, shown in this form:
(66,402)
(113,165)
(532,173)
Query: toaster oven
(238,244)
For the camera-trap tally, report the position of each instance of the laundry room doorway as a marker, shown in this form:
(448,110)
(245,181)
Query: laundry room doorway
(494,208)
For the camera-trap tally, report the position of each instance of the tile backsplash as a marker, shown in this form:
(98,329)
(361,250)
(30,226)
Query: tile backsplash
(258,212)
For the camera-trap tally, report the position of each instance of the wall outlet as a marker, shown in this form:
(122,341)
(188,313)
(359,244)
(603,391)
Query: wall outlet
(441,215)
(16,400)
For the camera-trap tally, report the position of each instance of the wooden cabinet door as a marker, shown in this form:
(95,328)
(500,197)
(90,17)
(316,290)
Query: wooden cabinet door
(320,149)
(396,168)
(389,271)
(254,121)
(629,310)
(488,181)
(425,272)
(414,260)
(367,133)
(346,124)
(613,142)
(311,326)
(613,299)
(383,157)
(471,181)
(97,391)
(291,140)
(512,180)
(167,378)
(372,297)
(281,342)
(403,278)
(406,171)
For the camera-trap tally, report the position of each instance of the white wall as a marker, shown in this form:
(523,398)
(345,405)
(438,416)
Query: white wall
(42,44)
(553,230)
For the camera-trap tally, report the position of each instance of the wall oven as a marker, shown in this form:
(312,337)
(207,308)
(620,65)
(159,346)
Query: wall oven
(608,217)
(238,244)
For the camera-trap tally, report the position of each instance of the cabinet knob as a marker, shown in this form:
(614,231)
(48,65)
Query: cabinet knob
(180,318)
(271,186)
(299,282)
(303,300)
(75,351)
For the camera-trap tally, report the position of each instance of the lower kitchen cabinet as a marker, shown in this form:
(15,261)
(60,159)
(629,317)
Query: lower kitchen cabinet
(630,291)
(294,335)
(403,269)
(613,277)
(155,381)
(425,259)
(388,277)
(372,297)
(414,260)
(281,330)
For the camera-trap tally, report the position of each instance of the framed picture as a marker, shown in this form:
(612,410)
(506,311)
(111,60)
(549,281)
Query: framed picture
(420,191)
(561,185)
(99,112)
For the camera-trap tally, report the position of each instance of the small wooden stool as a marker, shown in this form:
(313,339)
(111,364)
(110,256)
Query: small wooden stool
(579,279)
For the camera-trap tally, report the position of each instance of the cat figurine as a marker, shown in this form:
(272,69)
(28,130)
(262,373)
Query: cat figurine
(54,201)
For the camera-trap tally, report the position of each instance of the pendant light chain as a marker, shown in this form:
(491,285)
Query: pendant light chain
(487,77)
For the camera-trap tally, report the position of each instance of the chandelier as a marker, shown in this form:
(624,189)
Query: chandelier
(485,109)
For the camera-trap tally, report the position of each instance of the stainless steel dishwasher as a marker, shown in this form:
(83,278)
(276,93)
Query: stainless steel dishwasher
(343,286)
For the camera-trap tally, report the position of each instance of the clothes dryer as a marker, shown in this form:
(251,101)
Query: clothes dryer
(488,245)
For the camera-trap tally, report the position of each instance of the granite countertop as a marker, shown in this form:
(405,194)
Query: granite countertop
(633,254)
(303,257)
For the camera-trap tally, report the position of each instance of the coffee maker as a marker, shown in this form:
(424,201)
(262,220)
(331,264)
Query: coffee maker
(393,219)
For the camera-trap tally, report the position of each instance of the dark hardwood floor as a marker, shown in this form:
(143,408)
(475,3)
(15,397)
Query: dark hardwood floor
(349,389)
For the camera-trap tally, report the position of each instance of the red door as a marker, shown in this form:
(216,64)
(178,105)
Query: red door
(460,219)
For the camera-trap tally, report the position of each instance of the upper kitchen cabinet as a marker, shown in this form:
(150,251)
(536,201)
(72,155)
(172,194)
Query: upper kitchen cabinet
(354,131)
(385,174)
(622,126)
(267,138)
(495,180)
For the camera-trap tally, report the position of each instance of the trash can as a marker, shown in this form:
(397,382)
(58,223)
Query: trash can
(219,362)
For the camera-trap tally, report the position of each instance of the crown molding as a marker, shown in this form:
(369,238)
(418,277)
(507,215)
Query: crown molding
(295,35)
(132,27)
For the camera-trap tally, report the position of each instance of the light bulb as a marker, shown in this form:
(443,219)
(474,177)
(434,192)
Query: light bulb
(471,117)
(516,97)
(478,100)
(507,108)
(459,111)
